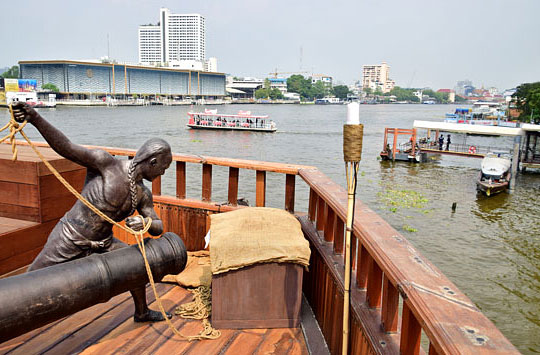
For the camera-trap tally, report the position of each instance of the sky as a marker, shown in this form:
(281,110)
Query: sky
(431,43)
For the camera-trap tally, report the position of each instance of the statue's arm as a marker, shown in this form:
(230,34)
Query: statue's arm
(146,209)
(95,159)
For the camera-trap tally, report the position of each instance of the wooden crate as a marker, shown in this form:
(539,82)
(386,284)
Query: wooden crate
(29,191)
(265,295)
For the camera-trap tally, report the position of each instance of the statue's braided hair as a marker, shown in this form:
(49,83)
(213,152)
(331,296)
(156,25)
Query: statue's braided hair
(149,149)
(132,187)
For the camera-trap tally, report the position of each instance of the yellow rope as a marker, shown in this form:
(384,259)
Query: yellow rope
(139,235)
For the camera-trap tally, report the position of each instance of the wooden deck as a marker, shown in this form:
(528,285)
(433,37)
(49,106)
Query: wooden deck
(108,328)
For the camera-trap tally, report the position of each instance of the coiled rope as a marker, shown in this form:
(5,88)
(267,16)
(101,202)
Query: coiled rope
(198,309)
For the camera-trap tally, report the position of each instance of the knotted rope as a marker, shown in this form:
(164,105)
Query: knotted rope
(208,332)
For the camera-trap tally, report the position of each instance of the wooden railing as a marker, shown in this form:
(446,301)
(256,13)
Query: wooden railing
(396,295)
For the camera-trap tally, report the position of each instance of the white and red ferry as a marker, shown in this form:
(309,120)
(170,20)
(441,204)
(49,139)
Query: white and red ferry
(242,121)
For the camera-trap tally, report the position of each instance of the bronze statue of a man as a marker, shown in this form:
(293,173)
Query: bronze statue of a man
(115,187)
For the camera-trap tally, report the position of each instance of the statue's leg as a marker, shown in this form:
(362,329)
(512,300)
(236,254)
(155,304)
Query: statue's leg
(142,312)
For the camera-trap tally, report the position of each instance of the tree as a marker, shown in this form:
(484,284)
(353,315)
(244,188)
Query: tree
(340,91)
(275,94)
(262,93)
(527,99)
(319,90)
(50,87)
(300,85)
(368,91)
(402,94)
(11,73)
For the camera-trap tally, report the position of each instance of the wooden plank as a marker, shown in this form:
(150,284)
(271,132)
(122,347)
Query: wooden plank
(411,332)
(20,212)
(12,193)
(180,179)
(23,172)
(232,197)
(240,298)
(290,187)
(98,328)
(260,194)
(321,211)
(244,343)
(312,208)
(278,341)
(390,306)
(339,236)
(133,338)
(207,183)
(24,239)
(374,286)
(51,187)
(329,225)
(202,347)
(156,186)
(363,268)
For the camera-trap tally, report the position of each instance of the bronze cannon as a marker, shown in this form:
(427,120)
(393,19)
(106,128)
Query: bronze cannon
(36,298)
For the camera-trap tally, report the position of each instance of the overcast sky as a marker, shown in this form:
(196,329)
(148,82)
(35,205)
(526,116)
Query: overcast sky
(427,43)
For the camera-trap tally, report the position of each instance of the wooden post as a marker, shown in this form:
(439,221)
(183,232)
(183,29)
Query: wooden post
(260,190)
(395,145)
(515,161)
(289,192)
(181,179)
(207,182)
(233,186)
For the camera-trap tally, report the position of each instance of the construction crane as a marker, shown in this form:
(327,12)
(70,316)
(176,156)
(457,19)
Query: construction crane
(276,73)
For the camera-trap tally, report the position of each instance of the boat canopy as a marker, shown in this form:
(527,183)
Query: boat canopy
(238,115)
(469,128)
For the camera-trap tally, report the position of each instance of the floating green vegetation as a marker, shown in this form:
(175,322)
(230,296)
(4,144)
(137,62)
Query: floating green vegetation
(408,228)
(196,141)
(394,198)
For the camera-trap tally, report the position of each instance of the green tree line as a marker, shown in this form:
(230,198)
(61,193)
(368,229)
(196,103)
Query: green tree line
(527,101)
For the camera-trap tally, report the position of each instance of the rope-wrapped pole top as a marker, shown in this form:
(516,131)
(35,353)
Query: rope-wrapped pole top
(352,142)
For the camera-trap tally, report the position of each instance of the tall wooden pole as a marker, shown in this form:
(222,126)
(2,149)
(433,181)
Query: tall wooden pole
(352,153)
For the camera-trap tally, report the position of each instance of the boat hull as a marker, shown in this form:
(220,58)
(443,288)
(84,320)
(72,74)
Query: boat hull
(491,188)
(228,128)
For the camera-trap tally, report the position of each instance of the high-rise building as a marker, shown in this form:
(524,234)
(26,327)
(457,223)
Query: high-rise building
(377,77)
(176,38)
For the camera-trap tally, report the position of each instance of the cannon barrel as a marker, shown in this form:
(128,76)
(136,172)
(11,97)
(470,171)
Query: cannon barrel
(29,301)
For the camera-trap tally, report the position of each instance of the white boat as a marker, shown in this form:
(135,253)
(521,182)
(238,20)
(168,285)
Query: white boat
(484,113)
(495,173)
(242,121)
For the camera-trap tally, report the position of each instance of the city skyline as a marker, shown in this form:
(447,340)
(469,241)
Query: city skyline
(426,44)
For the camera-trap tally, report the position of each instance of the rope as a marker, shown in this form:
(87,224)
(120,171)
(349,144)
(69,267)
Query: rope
(208,332)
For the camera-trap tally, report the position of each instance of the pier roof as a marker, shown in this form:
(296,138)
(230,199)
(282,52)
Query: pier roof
(469,128)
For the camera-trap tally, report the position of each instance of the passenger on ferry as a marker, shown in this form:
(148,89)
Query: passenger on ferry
(448,142)
(441,141)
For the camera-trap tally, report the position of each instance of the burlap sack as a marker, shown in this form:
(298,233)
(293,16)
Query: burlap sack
(255,235)
(196,273)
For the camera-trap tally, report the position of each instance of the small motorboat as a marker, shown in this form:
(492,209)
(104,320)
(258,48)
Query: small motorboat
(495,174)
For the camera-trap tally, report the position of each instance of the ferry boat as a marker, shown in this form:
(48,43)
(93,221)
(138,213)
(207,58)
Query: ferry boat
(482,113)
(242,121)
(398,300)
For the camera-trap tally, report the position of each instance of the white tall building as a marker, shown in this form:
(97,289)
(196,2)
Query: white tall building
(175,39)
(377,77)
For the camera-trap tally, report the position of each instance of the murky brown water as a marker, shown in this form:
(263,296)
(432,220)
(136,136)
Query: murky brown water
(489,247)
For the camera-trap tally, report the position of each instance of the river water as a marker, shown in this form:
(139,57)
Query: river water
(489,247)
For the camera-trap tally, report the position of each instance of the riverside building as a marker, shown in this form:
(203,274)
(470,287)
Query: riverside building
(97,79)
(178,40)
(377,77)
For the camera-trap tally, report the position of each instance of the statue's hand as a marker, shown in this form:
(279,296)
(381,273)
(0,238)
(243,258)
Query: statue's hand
(23,112)
(135,223)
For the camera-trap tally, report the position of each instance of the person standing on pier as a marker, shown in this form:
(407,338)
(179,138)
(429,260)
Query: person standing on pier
(441,142)
(448,142)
